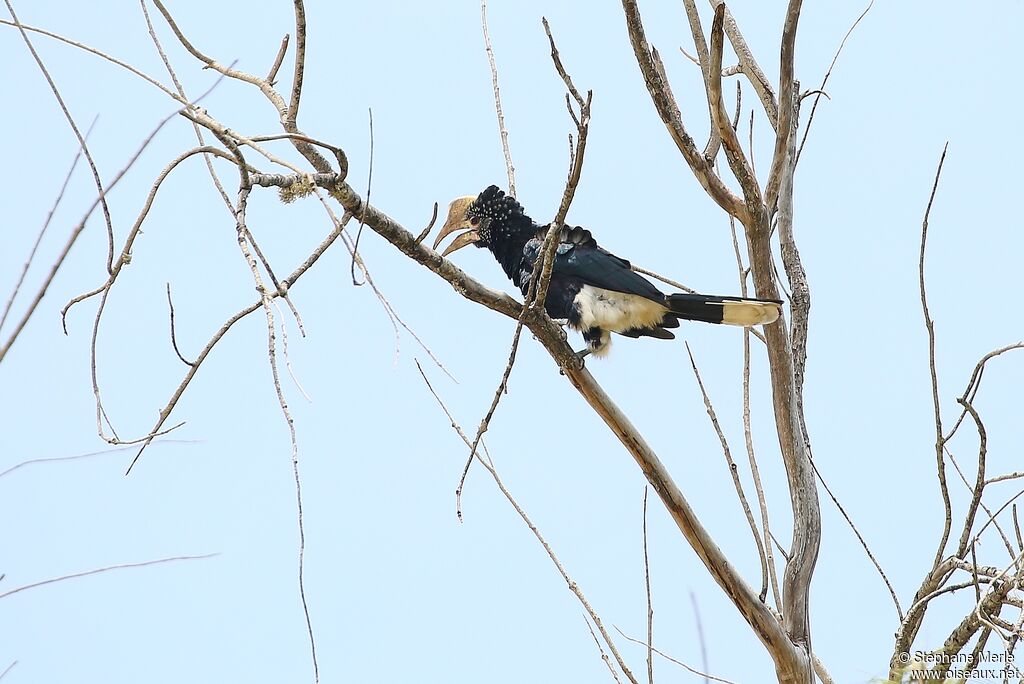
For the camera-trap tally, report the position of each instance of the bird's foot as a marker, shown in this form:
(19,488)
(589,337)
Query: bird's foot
(580,355)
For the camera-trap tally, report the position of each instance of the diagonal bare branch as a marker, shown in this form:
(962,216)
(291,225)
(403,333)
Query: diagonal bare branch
(665,103)
(734,473)
(74,127)
(97,571)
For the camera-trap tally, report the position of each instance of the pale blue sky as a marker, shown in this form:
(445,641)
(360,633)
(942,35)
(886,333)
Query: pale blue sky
(399,590)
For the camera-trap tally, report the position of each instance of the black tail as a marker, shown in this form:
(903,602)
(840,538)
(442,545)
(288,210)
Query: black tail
(728,310)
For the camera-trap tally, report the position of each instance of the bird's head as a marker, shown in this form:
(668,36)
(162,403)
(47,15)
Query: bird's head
(486,218)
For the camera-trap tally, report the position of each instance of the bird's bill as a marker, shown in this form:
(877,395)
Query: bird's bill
(457,221)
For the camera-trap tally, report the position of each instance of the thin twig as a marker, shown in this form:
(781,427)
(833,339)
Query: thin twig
(485,423)
(266,299)
(664,101)
(174,340)
(430,226)
(860,538)
(42,231)
(287,356)
(369,182)
(166,411)
(940,464)
(748,436)
(573,586)
(91,454)
(96,571)
(78,134)
(99,53)
(933,578)
(582,123)
(700,636)
(979,484)
(673,660)
(974,384)
(991,519)
(734,472)
(200,138)
(668,281)
(281,52)
(604,656)
(650,604)
(502,130)
(821,89)
(556,58)
(300,66)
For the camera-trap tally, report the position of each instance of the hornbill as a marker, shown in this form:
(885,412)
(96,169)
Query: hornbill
(594,290)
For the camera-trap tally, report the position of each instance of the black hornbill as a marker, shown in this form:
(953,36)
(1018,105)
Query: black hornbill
(594,290)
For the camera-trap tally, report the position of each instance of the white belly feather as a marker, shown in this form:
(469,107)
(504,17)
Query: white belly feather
(614,312)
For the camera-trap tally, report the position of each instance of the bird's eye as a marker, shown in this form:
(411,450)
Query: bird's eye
(474,221)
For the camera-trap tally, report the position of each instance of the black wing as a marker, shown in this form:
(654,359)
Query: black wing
(579,257)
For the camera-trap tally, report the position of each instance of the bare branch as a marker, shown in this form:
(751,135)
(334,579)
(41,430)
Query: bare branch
(551,336)
(750,67)
(979,484)
(604,656)
(668,110)
(300,67)
(930,327)
(700,636)
(787,104)
(556,58)
(573,586)
(77,457)
(174,340)
(720,120)
(674,283)
(369,185)
(74,127)
(748,437)
(863,542)
(974,384)
(734,472)
(99,53)
(936,576)
(227,71)
(200,138)
(485,423)
(821,89)
(42,232)
(96,571)
(669,658)
(575,171)
(430,226)
(276,66)
(703,61)
(502,130)
(650,603)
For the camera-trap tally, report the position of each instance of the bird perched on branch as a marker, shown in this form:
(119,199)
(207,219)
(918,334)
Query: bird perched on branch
(594,290)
